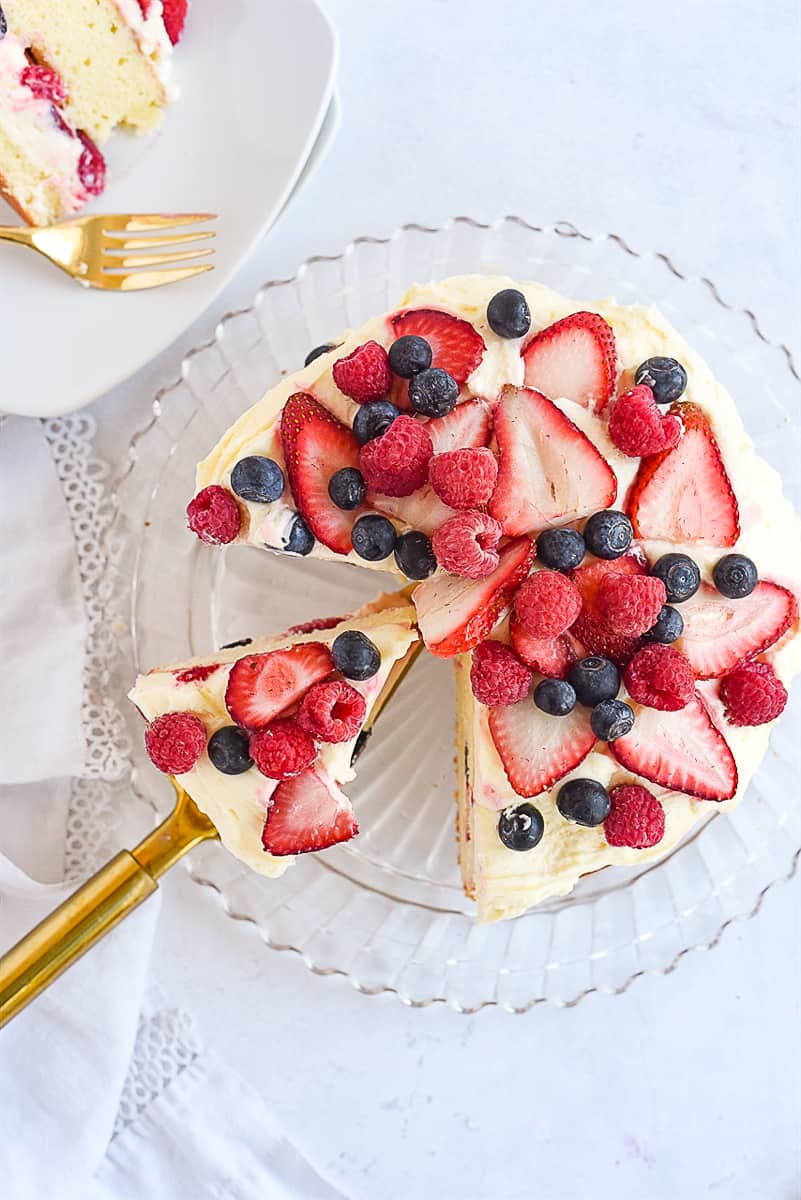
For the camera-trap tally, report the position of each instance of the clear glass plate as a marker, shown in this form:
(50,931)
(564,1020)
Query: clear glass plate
(387,911)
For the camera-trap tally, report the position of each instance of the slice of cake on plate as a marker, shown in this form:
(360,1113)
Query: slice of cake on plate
(262,735)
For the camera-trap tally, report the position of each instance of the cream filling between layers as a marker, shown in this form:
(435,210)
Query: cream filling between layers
(151,36)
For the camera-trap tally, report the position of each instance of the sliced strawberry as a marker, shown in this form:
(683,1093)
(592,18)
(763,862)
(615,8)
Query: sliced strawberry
(684,494)
(455,614)
(422,510)
(306,813)
(720,634)
(681,750)
(590,627)
(260,686)
(537,749)
(316,445)
(550,656)
(469,424)
(574,359)
(550,473)
(455,344)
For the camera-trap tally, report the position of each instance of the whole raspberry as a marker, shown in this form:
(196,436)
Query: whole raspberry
(364,375)
(464,478)
(753,694)
(332,711)
(637,427)
(91,166)
(497,676)
(283,749)
(214,515)
(45,83)
(396,463)
(467,544)
(660,677)
(636,818)
(174,13)
(175,741)
(630,603)
(546,604)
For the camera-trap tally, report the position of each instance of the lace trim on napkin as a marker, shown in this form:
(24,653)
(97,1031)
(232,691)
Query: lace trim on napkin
(167,1042)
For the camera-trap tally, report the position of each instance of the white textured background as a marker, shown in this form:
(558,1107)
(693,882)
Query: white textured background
(677,126)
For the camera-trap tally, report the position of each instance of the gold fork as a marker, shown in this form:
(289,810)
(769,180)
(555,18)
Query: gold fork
(98,252)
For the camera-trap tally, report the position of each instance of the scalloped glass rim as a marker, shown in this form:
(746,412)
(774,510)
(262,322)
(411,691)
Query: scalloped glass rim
(375,913)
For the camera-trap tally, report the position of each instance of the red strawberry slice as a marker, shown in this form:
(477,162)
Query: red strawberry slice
(307,813)
(537,749)
(550,656)
(469,424)
(260,686)
(455,614)
(681,750)
(316,445)
(684,494)
(421,510)
(720,634)
(550,473)
(590,627)
(574,359)
(455,345)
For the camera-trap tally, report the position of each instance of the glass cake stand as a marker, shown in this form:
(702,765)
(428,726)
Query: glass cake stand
(387,910)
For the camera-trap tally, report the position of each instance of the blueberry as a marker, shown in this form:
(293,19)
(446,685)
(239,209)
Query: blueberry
(301,538)
(735,576)
(611,719)
(317,352)
(508,314)
(584,801)
(669,626)
(555,696)
(666,378)
(433,392)
(373,419)
(594,679)
(409,355)
(229,750)
(680,576)
(258,479)
(521,828)
(608,533)
(3,24)
(355,656)
(233,645)
(560,549)
(373,537)
(414,555)
(347,488)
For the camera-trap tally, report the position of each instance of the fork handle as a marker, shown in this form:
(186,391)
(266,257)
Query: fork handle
(16,233)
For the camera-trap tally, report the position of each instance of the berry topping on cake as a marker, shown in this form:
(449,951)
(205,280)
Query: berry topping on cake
(469,424)
(735,576)
(414,555)
(307,813)
(317,623)
(229,750)
(332,711)
(549,469)
(364,375)
(636,818)
(508,314)
(396,463)
(552,656)
(753,694)
(612,719)
(590,627)
(464,478)
(681,750)
(684,494)
(347,489)
(213,514)
(608,534)
(556,697)
(196,674)
(260,686)
(667,628)
(661,677)
(666,378)
(637,427)
(467,545)
(355,656)
(521,828)
(45,83)
(455,614)
(174,14)
(574,359)
(497,676)
(536,749)
(373,419)
(422,510)
(433,393)
(175,741)
(584,802)
(258,479)
(283,749)
(409,355)
(680,576)
(315,446)
(91,166)
(318,352)
(301,539)
(455,345)
(594,679)
(546,604)
(560,549)
(630,603)
(373,537)
(720,634)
